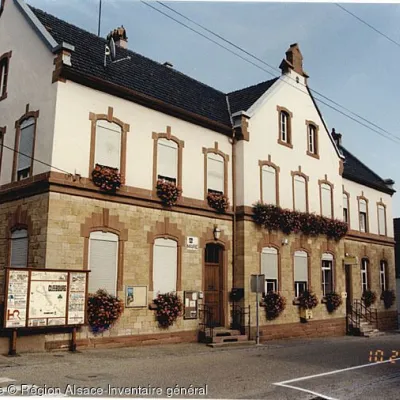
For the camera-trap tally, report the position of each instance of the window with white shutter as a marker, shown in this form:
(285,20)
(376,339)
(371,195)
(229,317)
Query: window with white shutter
(268,184)
(326,200)
(363,215)
(103,262)
(19,248)
(382,219)
(345,208)
(269,268)
(108,144)
(165,265)
(25,148)
(300,198)
(300,272)
(167,160)
(215,173)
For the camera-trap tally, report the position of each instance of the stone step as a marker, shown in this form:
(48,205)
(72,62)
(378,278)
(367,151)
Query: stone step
(246,343)
(230,339)
(220,332)
(375,334)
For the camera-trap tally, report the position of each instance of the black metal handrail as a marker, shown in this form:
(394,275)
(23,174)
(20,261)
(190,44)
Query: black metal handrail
(238,315)
(206,321)
(359,311)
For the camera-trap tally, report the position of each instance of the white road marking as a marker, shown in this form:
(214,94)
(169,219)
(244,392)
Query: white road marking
(337,371)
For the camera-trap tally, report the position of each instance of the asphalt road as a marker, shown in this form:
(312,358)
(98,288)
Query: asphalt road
(337,368)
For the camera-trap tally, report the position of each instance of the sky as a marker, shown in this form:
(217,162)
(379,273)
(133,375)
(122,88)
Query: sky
(347,61)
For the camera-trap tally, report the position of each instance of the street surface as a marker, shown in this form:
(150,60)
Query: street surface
(335,368)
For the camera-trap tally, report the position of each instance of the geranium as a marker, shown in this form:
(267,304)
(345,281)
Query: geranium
(274,304)
(103,310)
(333,301)
(388,298)
(273,218)
(218,201)
(106,178)
(308,300)
(368,297)
(168,192)
(169,308)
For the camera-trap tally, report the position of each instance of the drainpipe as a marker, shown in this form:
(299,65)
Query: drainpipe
(234,251)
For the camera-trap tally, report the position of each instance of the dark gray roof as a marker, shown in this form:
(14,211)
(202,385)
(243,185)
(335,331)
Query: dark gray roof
(243,99)
(169,86)
(356,171)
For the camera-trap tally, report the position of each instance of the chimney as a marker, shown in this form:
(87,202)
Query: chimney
(168,64)
(389,183)
(119,36)
(293,61)
(337,137)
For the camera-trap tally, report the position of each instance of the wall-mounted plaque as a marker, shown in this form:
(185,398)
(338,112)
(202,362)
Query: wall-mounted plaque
(192,243)
(136,296)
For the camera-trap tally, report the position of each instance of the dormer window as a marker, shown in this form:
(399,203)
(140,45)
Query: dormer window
(4,70)
(285,127)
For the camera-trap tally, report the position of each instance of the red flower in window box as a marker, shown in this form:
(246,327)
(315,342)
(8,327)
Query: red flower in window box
(368,297)
(333,301)
(106,178)
(168,309)
(103,310)
(218,201)
(168,192)
(274,304)
(308,300)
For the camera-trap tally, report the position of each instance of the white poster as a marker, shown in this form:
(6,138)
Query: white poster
(17,299)
(77,298)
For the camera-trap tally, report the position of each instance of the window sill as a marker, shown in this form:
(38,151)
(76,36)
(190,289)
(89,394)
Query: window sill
(313,155)
(296,301)
(285,144)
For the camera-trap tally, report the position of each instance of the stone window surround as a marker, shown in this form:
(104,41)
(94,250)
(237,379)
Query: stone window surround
(334,276)
(326,182)
(367,219)
(18,220)
(166,230)
(109,117)
(262,244)
(316,141)
(289,142)
(306,178)
(28,114)
(3,131)
(181,144)
(309,282)
(268,162)
(378,203)
(215,150)
(104,222)
(4,63)
(347,194)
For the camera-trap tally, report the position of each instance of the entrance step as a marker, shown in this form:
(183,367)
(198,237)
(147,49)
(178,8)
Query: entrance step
(230,339)
(244,343)
(220,332)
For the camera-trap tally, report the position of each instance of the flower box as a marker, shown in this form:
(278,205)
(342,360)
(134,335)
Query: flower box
(168,192)
(218,201)
(168,309)
(106,178)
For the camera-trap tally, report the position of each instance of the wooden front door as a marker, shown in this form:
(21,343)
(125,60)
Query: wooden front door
(213,282)
(349,289)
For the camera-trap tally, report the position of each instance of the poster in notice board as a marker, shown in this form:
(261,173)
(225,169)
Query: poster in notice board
(40,298)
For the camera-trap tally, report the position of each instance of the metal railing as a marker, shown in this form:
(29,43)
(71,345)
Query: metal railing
(206,324)
(240,317)
(358,312)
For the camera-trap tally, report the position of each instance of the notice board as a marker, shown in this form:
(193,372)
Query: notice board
(191,301)
(45,297)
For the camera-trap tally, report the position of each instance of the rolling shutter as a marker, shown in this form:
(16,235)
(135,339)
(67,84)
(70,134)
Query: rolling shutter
(103,262)
(167,154)
(363,206)
(269,263)
(27,132)
(300,266)
(215,172)
(300,193)
(381,220)
(19,248)
(269,184)
(108,144)
(326,200)
(165,266)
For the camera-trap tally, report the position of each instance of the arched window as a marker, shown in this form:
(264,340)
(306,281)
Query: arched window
(269,184)
(363,215)
(346,212)
(269,268)
(108,144)
(326,200)
(300,193)
(19,248)
(284,119)
(167,160)
(327,273)
(25,145)
(383,275)
(103,261)
(4,72)
(300,272)
(165,265)
(382,219)
(215,173)
(364,275)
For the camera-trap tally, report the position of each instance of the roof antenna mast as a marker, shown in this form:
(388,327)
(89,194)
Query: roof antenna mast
(99,26)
